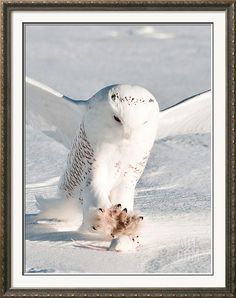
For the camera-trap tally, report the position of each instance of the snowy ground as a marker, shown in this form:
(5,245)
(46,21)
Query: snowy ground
(174,193)
(172,62)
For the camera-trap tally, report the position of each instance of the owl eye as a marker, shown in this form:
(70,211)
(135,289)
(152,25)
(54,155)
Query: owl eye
(117,119)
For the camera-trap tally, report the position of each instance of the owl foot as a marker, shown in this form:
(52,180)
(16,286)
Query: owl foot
(116,222)
(127,224)
(104,220)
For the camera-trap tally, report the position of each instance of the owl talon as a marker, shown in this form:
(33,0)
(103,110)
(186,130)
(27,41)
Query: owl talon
(104,219)
(127,224)
(115,222)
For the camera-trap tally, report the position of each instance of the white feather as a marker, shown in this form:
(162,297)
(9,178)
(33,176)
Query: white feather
(49,112)
(190,116)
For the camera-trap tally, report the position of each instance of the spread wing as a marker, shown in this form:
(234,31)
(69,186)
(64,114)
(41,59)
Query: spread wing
(56,115)
(59,116)
(192,115)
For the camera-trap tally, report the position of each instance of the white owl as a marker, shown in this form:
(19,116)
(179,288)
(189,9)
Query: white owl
(111,148)
(113,133)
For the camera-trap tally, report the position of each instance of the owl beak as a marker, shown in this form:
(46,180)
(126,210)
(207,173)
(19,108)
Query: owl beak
(127,133)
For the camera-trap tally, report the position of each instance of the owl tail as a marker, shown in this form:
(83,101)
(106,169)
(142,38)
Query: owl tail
(57,209)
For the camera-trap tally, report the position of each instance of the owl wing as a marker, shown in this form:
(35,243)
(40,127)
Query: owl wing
(192,115)
(56,115)
(79,165)
(59,116)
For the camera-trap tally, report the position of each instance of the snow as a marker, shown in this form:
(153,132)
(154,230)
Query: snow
(80,60)
(174,192)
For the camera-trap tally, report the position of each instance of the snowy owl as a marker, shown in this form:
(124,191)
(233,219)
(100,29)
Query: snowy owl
(110,149)
(109,138)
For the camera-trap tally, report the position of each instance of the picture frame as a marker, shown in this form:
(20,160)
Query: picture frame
(6,234)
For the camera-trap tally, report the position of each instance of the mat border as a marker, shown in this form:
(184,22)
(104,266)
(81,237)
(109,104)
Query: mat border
(6,8)
(24,24)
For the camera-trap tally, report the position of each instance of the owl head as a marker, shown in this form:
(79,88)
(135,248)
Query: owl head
(123,111)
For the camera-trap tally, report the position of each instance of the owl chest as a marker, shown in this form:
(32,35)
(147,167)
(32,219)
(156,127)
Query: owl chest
(119,161)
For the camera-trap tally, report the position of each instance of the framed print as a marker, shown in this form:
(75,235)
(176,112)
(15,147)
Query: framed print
(118,151)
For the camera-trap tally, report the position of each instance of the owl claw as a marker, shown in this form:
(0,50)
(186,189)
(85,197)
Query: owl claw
(116,222)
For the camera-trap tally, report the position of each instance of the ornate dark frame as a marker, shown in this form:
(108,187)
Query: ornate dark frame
(6,7)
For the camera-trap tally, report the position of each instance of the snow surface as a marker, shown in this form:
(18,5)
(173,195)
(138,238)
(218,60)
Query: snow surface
(173,194)
(80,60)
